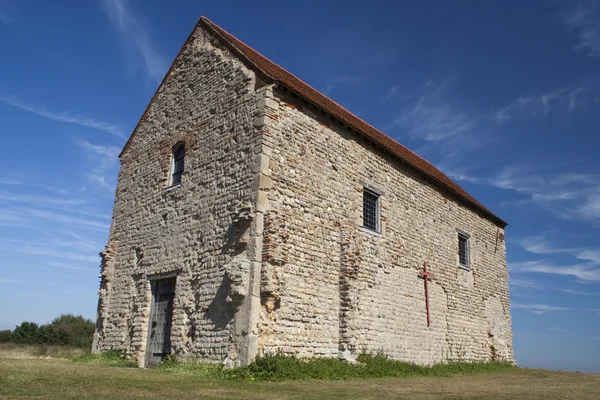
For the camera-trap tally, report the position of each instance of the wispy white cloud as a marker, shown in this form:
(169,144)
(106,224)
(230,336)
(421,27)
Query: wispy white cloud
(587,272)
(105,163)
(21,281)
(110,152)
(560,99)
(586,268)
(590,255)
(590,208)
(517,281)
(11,182)
(567,195)
(31,216)
(65,117)
(343,80)
(584,18)
(391,93)
(76,242)
(68,220)
(86,293)
(136,37)
(434,116)
(577,292)
(11,218)
(453,130)
(538,245)
(541,187)
(535,105)
(459,175)
(19,205)
(62,265)
(53,253)
(541,245)
(81,241)
(41,200)
(525,282)
(538,309)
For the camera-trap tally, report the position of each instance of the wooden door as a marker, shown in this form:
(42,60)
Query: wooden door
(159,341)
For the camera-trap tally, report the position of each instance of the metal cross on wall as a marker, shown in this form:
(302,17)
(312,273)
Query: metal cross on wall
(426,276)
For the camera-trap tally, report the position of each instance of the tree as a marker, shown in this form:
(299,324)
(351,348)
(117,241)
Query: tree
(26,333)
(67,330)
(73,330)
(5,336)
(47,334)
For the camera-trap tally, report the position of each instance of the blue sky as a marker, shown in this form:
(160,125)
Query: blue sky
(502,96)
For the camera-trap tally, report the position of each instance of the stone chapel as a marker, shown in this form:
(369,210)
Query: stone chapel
(254,215)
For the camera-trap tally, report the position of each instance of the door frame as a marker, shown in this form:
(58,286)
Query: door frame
(153,293)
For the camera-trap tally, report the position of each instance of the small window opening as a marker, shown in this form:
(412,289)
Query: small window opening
(370,210)
(463,250)
(177,164)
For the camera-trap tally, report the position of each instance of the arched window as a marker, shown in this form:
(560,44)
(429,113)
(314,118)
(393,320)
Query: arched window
(177,163)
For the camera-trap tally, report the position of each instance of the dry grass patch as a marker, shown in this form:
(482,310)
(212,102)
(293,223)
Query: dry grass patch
(63,379)
(25,351)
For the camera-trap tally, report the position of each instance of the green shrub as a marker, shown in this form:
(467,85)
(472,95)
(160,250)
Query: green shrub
(279,368)
(26,333)
(112,358)
(73,330)
(47,334)
(5,336)
(197,369)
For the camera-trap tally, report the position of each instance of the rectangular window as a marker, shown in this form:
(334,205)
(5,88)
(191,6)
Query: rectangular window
(463,250)
(370,210)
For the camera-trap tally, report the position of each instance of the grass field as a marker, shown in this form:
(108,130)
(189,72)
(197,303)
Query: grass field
(52,378)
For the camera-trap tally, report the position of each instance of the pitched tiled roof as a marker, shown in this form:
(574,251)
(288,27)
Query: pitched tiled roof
(271,71)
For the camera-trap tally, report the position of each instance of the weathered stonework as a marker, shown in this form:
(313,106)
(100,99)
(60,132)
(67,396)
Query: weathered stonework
(206,230)
(347,289)
(264,234)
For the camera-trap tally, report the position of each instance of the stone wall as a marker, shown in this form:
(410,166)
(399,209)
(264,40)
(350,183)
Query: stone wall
(335,288)
(264,234)
(206,231)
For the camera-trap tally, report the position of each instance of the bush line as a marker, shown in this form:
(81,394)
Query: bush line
(66,330)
